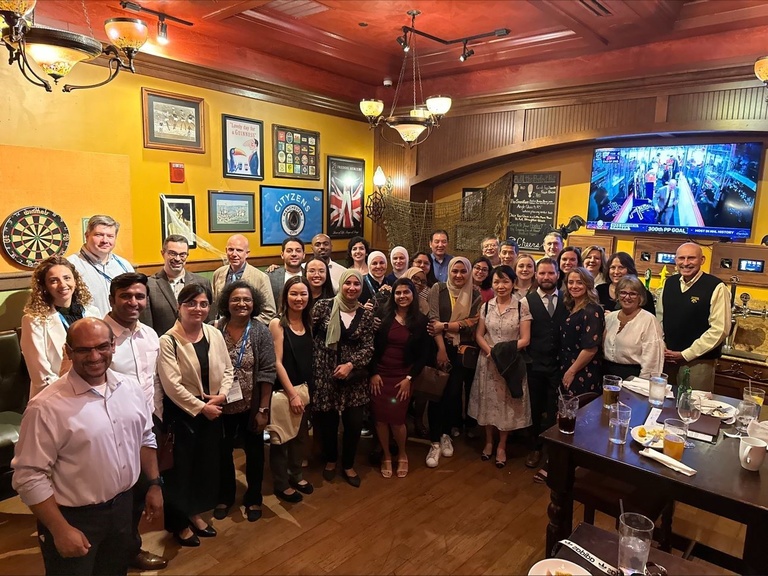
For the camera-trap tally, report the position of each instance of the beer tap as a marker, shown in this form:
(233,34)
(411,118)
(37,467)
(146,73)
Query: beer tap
(745,298)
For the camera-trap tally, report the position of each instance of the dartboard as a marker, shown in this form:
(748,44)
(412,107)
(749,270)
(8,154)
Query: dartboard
(33,234)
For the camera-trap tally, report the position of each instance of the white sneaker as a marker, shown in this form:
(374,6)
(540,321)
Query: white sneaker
(446,446)
(433,457)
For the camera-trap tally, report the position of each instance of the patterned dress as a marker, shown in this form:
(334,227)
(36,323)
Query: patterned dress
(490,402)
(579,331)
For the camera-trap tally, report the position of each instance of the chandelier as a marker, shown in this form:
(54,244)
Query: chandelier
(56,52)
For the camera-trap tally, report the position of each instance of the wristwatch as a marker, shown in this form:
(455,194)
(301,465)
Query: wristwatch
(409,377)
(445,326)
(263,409)
(156,482)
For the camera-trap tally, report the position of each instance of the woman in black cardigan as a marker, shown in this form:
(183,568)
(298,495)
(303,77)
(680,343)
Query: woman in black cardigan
(401,349)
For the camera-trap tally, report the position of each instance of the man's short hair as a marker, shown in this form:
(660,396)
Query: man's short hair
(291,239)
(125,280)
(547,260)
(101,220)
(511,242)
(555,235)
(175,238)
(439,231)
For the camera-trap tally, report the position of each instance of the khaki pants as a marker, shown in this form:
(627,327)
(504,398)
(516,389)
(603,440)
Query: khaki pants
(702,373)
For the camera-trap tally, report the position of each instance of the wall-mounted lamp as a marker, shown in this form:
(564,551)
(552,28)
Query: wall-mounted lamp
(380,180)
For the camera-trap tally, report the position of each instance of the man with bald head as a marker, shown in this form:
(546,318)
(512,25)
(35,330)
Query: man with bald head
(82,443)
(238,268)
(695,311)
(321,247)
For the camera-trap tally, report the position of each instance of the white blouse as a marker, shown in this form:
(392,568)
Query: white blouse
(640,342)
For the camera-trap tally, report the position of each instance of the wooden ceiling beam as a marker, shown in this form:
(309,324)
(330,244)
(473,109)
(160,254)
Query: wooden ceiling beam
(556,9)
(234,10)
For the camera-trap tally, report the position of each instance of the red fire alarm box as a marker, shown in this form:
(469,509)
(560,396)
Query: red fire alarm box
(177,173)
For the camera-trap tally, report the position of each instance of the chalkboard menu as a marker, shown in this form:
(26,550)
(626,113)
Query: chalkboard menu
(532,204)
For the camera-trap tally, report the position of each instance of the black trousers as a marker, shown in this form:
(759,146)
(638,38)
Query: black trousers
(139,498)
(542,387)
(327,424)
(236,426)
(447,412)
(109,530)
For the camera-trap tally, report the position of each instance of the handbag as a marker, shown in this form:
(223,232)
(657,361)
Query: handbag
(283,423)
(430,384)
(469,355)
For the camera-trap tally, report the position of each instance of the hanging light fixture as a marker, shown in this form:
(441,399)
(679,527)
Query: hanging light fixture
(424,115)
(761,70)
(56,52)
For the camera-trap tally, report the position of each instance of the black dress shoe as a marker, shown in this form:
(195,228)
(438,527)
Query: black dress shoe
(534,459)
(305,488)
(221,511)
(207,532)
(329,475)
(191,542)
(252,513)
(351,480)
(292,498)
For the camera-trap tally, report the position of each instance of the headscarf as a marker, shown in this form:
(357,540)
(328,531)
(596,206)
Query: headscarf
(397,250)
(371,256)
(341,304)
(462,297)
(424,293)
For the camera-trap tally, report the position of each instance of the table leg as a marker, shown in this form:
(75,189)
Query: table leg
(560,471)
(755,559)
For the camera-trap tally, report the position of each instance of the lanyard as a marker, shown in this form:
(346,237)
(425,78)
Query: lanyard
(93,265)
(64,321)
(242,346)
(592,559)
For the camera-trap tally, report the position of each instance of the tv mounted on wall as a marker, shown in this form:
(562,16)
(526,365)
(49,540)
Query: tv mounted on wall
(693,189)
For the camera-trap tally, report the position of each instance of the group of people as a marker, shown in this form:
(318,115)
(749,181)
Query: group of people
(114,354)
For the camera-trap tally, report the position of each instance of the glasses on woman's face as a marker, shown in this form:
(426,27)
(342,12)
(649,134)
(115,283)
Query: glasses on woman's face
(479,268)
(192,304)
(628,295)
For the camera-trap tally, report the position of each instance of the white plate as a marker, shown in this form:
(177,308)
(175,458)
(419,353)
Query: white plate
(658,444)
(726,410)
(552,564)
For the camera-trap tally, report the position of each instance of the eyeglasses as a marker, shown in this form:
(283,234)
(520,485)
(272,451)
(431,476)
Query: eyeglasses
(182,256)
(629,295)
(192,305)
(85,350)
(480,269)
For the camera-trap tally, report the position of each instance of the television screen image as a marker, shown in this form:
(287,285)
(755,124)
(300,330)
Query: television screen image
(696,189)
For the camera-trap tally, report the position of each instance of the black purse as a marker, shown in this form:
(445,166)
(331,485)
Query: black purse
(468,356)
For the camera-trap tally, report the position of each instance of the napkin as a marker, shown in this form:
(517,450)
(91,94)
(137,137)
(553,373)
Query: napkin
(668,461)
(758,430)
(641,386)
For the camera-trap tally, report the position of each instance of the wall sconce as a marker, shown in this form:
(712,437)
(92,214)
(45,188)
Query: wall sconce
(381,181)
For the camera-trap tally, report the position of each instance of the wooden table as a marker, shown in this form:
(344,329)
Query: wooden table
(605,545)
(721,485)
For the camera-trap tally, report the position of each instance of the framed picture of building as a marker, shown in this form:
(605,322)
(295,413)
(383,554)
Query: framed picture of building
(230,211)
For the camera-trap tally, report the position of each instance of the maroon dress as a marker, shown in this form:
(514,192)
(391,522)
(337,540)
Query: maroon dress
(392,368)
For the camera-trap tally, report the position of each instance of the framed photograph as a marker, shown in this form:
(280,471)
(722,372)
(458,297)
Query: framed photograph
(177,216)
(346,195)
(296,212)
(230,211)
(472,203)
(295,153)
(241,147)
(173,121)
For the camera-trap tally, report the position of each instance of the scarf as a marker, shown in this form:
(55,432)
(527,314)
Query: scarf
(462,297)
(424,293)
(341,304)
(398,250)
(371,256)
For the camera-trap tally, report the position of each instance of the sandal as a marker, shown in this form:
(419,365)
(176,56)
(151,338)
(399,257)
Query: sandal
(402,468)
(386,468)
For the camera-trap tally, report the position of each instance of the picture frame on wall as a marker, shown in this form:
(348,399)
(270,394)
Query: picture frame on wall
(295,212)
(173,121)
(177,216)
(241,147)
(231,211)
(295,153)
(472,204)
(345,189)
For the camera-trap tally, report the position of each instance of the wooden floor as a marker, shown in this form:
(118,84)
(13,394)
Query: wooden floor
(464,517)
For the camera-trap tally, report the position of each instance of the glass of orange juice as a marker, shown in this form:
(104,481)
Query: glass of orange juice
(675,432)
(754,394)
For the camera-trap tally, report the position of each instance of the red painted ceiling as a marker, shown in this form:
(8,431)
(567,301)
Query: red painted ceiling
(321,46)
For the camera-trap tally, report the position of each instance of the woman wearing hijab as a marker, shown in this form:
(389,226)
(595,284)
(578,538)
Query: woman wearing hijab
(419,279)
(374,280)
(453,312)
(398,257)
(343,346)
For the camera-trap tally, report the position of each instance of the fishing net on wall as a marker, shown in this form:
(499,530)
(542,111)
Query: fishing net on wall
(482,212)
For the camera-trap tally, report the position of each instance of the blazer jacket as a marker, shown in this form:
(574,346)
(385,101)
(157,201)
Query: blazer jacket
(419,349)
(42,343)
(179,369)
(162,310)
(440,309)
(277,281)
(255,278)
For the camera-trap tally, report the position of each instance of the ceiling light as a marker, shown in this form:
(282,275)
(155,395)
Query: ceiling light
(162,32)
(465,54)
(761,70)
(403,41)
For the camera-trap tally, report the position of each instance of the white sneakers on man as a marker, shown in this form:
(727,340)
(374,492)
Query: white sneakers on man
(446,446)
(433,456)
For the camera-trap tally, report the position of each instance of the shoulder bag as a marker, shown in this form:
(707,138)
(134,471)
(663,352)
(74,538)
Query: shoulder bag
(430,384)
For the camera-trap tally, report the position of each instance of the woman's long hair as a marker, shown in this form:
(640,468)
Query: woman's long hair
(413,311)
(326,290)
(306,314)
(352,242)
(40,302)
(625,259)
(589,284)
(485,284)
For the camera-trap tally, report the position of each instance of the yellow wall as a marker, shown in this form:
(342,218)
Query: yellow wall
(109,120)
(575,166)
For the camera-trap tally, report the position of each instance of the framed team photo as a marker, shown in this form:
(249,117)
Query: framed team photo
(173,121)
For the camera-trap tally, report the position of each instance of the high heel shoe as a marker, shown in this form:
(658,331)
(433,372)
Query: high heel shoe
(499,462)
(351,480)
(191,542)
(207,532)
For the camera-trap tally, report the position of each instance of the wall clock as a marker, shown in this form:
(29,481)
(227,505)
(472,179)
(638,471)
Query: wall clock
(33,234)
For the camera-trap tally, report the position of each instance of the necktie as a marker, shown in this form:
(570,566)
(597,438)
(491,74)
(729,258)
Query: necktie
(550,305)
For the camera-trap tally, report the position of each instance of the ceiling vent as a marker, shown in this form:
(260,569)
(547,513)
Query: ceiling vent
(596,7)
(296,8)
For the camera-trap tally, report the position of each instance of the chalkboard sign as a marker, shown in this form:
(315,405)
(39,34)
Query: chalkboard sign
(533,203)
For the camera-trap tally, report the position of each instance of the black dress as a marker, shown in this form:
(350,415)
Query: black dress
(580,331)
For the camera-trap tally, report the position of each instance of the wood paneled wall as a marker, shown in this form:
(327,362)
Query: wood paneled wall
(734,104)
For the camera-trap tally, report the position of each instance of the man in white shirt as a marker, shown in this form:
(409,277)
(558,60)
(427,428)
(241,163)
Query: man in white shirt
(292,253)
(136,349)
(74,465)
(490,249)
(96,263)
(321,247)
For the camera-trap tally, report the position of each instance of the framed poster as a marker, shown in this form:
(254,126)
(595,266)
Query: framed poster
(177,216)
(230,211)
(346,196)
(241,147)
(532,204)
(295,212)
(295,153)
(472,203)
(173,121)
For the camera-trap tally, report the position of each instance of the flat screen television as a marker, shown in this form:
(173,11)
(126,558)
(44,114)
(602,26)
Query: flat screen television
(694,189)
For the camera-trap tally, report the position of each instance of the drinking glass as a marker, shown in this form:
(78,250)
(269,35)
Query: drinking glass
(611,389)
(618,423)
(566,414)
(657,389)
(745,413)
(754,394)
(675,432)
(689,410)
(635,535)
